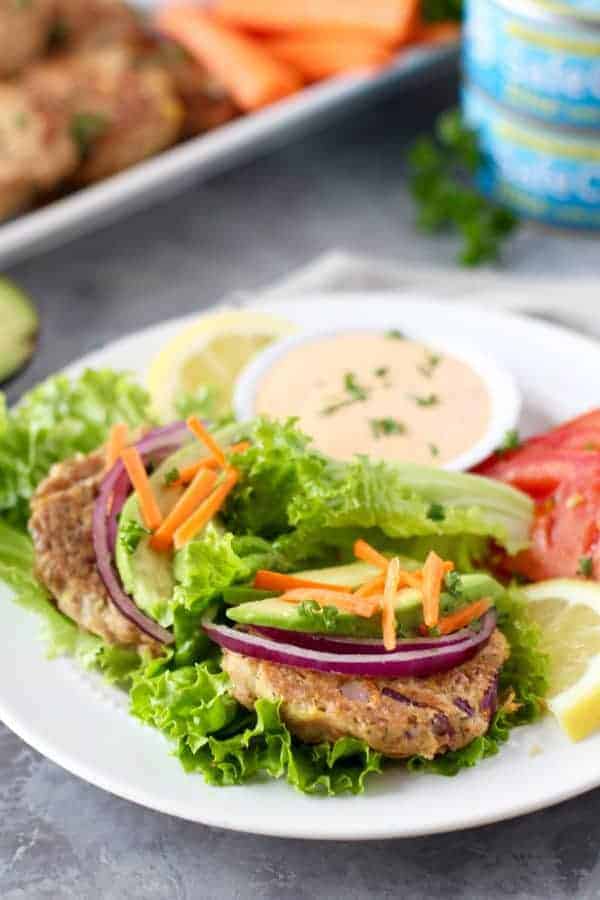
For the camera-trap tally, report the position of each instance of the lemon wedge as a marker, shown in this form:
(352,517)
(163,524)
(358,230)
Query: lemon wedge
(568,613)
(208,355)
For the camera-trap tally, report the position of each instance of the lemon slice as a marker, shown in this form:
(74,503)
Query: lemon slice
(568,612)
(208,355)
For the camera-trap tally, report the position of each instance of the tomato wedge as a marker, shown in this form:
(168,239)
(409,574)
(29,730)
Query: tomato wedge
(561,471)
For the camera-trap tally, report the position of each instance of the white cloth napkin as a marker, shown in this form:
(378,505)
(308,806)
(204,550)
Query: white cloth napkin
(574,303)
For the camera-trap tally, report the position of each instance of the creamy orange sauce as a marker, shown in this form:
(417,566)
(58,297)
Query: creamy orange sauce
(373,393)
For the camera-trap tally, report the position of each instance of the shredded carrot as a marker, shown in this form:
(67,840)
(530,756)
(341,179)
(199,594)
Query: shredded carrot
(434,571)
(275,581)
(388,611)
(203,435)
(198,491)
(364,607)
(208,462)
(139,478)
(205,512)
(117,441)
(374,586)
(369,554)
(464,616)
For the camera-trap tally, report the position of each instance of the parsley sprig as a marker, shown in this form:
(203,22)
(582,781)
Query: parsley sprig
(441,170)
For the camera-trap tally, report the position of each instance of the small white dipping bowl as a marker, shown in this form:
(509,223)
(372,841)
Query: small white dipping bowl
(504,395)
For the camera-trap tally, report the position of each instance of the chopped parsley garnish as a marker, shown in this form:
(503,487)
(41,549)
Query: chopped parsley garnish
(319,617)
(426,399)
(432,361)
(382,372)
(510,441)
(355,393)
(86,128)
(453,584)
(395,335)
(386,426)
(171,476)
(586,566)
(434,450)
(436,512)
(130,535)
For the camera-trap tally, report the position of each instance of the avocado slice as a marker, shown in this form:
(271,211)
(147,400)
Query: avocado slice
(276,613)
(146,574)
(19,332)
(351,575)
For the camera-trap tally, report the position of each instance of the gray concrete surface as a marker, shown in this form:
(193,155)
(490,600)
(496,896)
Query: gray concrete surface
(61,838)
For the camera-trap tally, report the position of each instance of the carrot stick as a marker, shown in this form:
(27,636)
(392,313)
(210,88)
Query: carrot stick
(434,571)
(198,491)
(139,478)
(364,607)
(117,441)
(205,512)
(390,20)
(369,588)
(364,551)
(208,462)
(433,33)
(388,612)
(205,437)
(323,54)
(275,581)
(251,75)
(464,616)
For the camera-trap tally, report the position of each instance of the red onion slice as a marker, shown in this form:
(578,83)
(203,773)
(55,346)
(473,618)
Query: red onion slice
(397,664)
(111,498)
(335,644)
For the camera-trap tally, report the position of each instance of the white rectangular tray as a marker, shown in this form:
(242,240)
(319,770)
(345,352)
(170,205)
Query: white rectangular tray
(204,156)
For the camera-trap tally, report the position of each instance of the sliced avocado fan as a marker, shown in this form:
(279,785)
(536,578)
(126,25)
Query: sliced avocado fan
(18,329)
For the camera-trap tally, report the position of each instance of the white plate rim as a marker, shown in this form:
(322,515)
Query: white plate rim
(284,825)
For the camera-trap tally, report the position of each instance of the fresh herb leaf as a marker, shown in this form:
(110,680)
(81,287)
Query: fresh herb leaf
(171,476)
(586,566)
(87,127)
(442,169)
(436,512)
(355,393)
(321,618)
(386,426)
(382,372)
(131,533)
(442,10)
(426,399)
(453,584)
(395,335)
(432,361)
(434,450)
(510,441)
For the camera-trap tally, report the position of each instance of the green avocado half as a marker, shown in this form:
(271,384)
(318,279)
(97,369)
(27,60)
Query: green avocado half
(275,613)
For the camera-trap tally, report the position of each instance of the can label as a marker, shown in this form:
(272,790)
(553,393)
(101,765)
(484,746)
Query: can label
(542,174)
(547,69)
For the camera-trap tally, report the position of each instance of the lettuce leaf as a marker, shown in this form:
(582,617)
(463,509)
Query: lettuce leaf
(314,507)
(227,744)
(60,635)
(60,417)
(526,674)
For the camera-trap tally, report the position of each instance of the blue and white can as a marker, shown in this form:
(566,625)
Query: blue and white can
(535,61)
(541,173)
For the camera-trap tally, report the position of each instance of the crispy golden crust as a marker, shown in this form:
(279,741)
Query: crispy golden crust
(61,528)
(399,717)
(24,32)
(36,151)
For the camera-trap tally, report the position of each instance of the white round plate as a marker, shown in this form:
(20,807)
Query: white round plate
(83,725)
